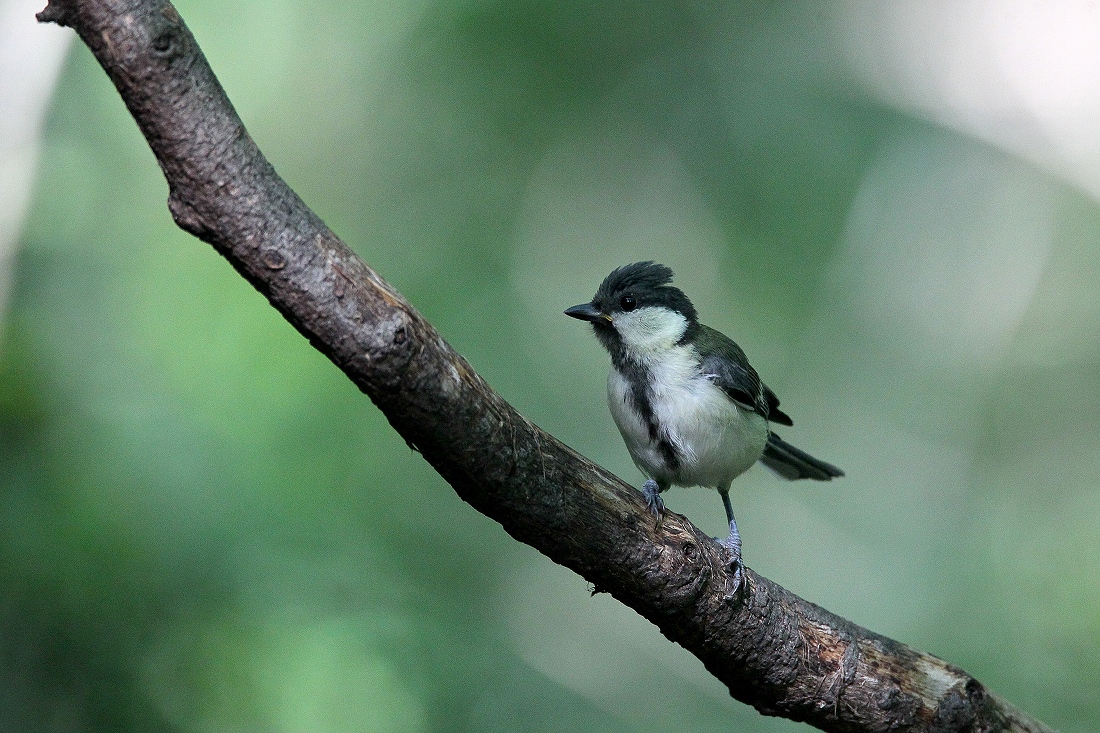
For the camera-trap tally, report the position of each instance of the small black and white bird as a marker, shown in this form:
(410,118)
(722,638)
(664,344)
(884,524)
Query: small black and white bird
(690,408)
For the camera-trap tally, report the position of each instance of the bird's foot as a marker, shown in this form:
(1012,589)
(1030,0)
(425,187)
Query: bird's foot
(652,493)
(733,544)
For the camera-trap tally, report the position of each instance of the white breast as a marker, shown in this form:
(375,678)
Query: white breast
(715,439)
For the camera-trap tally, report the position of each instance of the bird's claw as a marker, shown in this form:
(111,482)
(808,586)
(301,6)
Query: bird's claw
(652,493)
(733,544)
(738,568)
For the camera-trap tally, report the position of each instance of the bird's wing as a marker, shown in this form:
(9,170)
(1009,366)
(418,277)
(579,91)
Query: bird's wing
(774,413)
(727,366)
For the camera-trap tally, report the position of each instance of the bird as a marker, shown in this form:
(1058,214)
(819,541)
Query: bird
(691,409)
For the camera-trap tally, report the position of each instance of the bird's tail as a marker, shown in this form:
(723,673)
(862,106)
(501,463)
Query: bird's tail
(791,463)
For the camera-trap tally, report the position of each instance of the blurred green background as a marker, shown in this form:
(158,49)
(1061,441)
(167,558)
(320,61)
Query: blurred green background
(205,527)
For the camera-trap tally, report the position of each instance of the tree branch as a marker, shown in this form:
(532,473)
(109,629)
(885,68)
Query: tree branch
(773,650)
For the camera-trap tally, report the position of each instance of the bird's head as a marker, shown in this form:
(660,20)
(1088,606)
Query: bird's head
(638,309)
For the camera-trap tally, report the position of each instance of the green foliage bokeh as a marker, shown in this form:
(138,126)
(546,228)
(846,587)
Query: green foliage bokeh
(205,527)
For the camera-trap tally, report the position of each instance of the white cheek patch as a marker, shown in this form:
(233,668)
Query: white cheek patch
(649,329)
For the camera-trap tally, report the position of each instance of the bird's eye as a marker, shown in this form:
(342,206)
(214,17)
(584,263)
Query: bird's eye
(628,302)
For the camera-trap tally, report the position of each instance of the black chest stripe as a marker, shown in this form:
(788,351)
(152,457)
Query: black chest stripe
(668,450)
(637,377)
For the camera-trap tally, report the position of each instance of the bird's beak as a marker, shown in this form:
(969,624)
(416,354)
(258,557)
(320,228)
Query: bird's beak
(588,312)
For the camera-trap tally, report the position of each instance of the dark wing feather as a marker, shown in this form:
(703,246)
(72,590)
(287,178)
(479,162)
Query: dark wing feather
(729,368)
(774,413)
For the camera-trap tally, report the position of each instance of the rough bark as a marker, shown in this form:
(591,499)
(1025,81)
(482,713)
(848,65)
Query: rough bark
(777,652)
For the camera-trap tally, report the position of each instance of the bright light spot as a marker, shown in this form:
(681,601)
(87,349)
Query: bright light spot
(1020,74)
(945,246)
(31,55)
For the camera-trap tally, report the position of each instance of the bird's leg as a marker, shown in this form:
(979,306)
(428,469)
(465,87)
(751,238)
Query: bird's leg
(733,542)
(652,493)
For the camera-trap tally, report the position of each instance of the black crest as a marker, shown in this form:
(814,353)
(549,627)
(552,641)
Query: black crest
(649,283)
(637,276)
